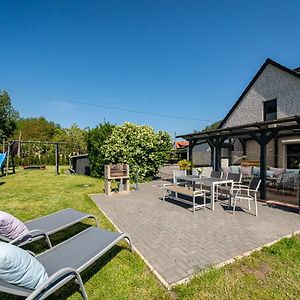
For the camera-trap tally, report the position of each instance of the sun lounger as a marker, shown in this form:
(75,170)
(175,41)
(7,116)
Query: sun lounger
(47,225)
(66,260)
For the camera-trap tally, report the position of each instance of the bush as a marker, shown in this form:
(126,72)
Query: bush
(95,139)
(140,146)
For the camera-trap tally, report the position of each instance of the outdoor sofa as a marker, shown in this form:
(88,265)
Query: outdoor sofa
(281,179)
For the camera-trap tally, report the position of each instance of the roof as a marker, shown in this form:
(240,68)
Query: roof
(79,155)
(297,70)
(289,124)
(181,144)
(262,68)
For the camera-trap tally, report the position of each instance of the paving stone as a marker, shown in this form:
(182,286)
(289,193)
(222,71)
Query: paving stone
(178,243)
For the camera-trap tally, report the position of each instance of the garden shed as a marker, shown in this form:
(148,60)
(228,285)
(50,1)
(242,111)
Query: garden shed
(80,164)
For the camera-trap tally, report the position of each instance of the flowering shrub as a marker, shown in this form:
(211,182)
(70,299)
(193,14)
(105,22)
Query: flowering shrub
(140,146)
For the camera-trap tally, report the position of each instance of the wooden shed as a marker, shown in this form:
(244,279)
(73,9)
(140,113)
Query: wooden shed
(80,164)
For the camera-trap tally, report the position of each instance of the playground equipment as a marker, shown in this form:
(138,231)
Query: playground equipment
(2,161)
(12,148)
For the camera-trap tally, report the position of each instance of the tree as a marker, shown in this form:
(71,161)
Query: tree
(140,146)
(36,129)
(8,115)
(212,126)
(75,138)
(95,139)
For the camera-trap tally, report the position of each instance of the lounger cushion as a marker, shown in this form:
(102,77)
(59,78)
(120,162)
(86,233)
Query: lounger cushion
(18,267)
(10,226)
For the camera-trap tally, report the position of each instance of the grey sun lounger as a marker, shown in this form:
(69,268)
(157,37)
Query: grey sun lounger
(67,260)
(47,225)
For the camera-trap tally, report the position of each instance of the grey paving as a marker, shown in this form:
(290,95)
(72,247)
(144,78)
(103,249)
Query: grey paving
(178,243)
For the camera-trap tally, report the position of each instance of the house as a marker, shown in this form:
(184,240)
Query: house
(272,95)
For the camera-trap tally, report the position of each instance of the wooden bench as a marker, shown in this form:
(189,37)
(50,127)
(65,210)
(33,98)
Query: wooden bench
(186,192)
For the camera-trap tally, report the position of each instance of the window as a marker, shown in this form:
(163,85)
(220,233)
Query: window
(293,156)
(270,110)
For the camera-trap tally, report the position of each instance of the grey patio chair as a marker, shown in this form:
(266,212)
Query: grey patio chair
(244,192)
(43,227)
(228,188)
(67,260)
(216,174)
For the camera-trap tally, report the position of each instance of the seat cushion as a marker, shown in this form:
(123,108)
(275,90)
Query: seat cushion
(18,267)
(276,171)
(235,169)
(11,227)
(246,171)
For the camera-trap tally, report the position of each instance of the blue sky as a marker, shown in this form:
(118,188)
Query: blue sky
(181,58)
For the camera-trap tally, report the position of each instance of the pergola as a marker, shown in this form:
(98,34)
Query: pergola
(261,132)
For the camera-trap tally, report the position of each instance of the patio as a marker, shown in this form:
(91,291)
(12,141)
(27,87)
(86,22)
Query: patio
(177,243)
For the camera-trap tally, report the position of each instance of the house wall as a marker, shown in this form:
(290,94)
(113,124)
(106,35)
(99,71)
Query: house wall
(253,152)
(272,83)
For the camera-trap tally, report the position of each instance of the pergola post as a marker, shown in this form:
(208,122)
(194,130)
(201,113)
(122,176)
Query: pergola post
(56,159)
(216,148)
(263,164)
(217,160)
(190,151)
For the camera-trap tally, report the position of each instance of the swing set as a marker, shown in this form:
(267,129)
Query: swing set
(12,148)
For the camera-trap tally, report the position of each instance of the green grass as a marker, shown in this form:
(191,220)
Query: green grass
(118,275)
(273,273)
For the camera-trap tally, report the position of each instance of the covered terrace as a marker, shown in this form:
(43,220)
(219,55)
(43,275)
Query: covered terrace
(261,132)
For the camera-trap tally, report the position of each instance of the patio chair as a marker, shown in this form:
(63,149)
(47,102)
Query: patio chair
(243,192)
(67,260)
(178,173)
(43,227)
(228,189)
(216,174)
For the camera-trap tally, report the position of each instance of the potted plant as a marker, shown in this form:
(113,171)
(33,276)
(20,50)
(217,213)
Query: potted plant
(185,165)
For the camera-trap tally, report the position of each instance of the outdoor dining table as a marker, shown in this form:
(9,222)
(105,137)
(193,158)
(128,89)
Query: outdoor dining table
(212,182)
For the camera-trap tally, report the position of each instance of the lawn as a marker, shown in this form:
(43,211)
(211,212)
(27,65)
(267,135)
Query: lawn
(273,273)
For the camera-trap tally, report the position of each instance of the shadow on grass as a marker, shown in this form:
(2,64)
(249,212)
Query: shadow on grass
(71,287)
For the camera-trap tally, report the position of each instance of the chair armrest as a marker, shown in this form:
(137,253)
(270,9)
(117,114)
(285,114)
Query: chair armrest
(22,239)
(54,282)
